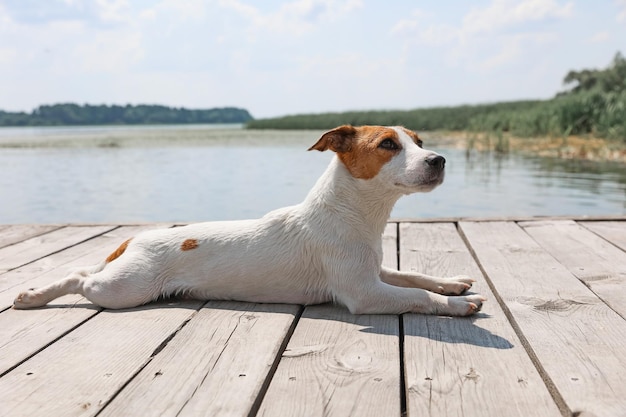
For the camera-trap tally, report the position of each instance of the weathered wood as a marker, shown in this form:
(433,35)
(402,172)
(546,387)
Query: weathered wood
(24,332)
(11,234)
(593,260)
(37,247)
(216,365)
(449,362)
(577,339)
(613,231)
(337,364)
(80,373)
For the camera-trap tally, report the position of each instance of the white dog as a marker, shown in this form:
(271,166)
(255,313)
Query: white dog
(328,248)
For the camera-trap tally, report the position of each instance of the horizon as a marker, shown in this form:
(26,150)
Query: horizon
(299,57)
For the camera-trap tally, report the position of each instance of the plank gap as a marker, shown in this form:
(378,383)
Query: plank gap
(256,405)
(550,385)
(600,235)
(156,351)
(53,341)
(97,234)
(403,402)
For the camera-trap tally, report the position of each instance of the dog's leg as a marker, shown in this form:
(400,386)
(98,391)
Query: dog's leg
(110,288)
(72,284)
(362,291)
(448,286)
(389,299)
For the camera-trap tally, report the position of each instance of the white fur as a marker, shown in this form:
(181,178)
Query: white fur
(328,248)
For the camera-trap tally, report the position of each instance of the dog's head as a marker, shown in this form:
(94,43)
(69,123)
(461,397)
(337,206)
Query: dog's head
(393,155)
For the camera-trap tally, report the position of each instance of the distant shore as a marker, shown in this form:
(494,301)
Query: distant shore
(569,147)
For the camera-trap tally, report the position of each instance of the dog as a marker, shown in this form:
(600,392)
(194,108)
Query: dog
(327,248)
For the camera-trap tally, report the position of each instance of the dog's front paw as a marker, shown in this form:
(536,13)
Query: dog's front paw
(27,299)
(465,305)
(454,285)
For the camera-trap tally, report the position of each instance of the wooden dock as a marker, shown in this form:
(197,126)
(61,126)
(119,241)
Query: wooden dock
(550,341)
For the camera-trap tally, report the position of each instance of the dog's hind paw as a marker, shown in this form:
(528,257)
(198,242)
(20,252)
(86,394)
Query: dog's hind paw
(28,299)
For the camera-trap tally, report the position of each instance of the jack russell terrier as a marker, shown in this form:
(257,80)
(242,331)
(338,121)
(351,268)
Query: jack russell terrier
(328,248)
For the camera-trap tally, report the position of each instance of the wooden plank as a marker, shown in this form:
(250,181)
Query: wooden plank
(335,364)
(593,260)
(216,365)
(613,231)
(79,374)
(464,366)
(55,266)
(578,340)
(37,247)
(25,332)
(11,234)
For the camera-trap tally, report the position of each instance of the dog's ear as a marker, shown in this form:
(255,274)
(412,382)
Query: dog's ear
(337,140)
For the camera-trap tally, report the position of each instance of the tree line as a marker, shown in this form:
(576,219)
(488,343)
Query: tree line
(75,114)
(594,103)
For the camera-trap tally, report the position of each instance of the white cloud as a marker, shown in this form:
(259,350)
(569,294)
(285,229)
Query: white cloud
(504,13)
(295,17)
(112,10)
(486,38)
(621,5)
(600,37)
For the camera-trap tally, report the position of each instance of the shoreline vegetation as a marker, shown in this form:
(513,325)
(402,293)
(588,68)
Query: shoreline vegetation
(586,121)
(70,114)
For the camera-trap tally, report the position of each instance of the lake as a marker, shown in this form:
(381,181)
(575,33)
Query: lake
(200,173)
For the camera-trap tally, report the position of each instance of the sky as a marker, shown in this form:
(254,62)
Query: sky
(302,56)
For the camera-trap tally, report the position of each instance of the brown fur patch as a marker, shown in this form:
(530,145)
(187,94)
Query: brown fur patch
(414,136)
(189,244)
(365,159)
(119,251)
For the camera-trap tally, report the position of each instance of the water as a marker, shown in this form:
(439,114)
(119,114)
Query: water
(199,173)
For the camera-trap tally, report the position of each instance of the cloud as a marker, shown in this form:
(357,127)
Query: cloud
(503,26)
(506,13)
(621,5)
(600,37)
(295,17)
(98,12)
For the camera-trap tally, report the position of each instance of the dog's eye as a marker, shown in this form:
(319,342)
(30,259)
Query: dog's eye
(388,144)
(420,143)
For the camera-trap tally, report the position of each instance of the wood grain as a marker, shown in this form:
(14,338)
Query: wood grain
(612,231)
(11,234)
(578,340)
(80,373)
(449,362)
(337,364)
(37,247)
(216,365)
(593,260)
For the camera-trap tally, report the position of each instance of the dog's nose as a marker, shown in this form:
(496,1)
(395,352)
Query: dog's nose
(436,161)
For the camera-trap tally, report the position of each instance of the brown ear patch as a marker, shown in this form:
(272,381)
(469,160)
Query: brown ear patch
(337,140)
(118,252)
(189,244)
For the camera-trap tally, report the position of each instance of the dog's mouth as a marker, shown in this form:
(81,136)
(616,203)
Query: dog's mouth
(422,184)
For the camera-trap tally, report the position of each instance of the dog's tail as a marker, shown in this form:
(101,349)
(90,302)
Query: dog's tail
(93,269)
